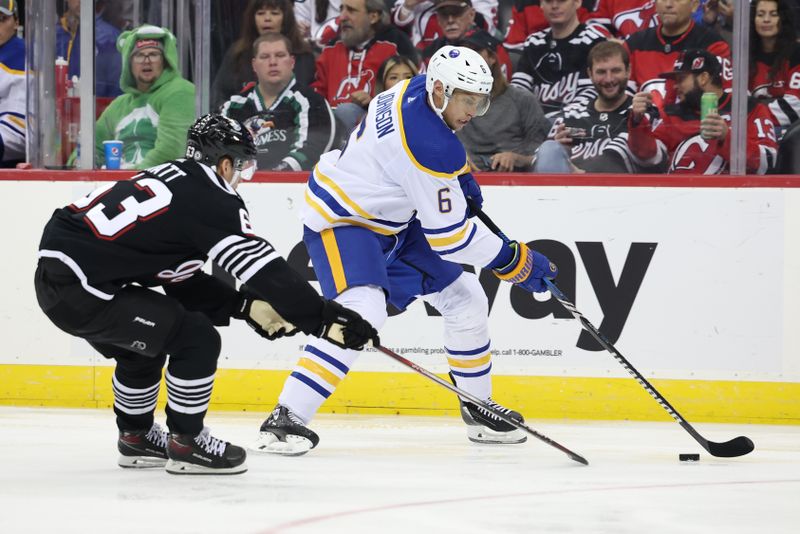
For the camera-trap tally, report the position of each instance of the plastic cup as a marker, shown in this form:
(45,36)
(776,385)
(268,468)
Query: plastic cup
(113,150)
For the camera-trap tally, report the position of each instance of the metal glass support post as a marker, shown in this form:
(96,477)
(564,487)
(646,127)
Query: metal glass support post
(40,46)
(202,60)
(86,92)
(183,36)
(740,51)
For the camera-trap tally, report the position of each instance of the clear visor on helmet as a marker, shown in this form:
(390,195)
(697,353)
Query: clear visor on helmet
(247,168)
(473,103)
(244,169)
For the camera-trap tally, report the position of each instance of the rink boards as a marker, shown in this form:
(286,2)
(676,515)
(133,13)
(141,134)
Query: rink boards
(697,286)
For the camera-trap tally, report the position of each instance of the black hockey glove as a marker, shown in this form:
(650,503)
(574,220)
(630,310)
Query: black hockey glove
(263,318)
(345,328)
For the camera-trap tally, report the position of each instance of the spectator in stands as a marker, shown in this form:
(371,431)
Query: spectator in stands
(554,61)
(12,87)
(625,17)
(418,18)
(655,50)
(107,63)
(775,59)
(261,16)
(593,136)
(394,70)
(316,17)
(347,69)
(505,138)
(457,21)
(684,142)
(716,15)
(291,124)
(528,18)
(156,108)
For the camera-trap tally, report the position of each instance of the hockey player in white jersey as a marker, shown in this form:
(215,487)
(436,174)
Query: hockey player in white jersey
(386,218)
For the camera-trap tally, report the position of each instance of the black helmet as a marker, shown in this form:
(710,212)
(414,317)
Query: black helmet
(214,136)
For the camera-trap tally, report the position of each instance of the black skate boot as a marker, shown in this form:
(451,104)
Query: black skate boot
(284,433)
(142,448)
(204,454)
(485,427)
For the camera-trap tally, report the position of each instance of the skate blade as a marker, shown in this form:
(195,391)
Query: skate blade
(174,467)
(481,434)
(141,462)
(268,443)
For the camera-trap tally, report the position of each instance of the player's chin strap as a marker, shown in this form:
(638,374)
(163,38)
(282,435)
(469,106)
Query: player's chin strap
(436,110)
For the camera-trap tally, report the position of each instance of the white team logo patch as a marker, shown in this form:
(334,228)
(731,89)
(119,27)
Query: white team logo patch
(182,272)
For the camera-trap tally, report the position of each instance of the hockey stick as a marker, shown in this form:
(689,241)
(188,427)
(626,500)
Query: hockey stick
(738,446)
(475,400)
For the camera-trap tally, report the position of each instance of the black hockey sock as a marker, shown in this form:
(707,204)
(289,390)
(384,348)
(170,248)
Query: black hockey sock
(193,351)
(136,383)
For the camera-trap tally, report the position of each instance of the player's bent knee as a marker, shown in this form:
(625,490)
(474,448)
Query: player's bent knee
(464,298)
(368,301)
(196,338)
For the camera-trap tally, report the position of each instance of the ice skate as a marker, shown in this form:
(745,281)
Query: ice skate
(285,434)
(485,427)
(143,448)
(204,454)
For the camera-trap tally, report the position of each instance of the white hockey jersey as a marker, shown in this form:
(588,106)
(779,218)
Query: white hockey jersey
(400,163)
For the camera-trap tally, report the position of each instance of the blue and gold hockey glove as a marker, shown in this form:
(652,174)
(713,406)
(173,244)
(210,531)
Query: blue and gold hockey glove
(471,190)
(527,269)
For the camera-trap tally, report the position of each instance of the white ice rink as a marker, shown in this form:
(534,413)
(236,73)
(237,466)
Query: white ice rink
(401,474)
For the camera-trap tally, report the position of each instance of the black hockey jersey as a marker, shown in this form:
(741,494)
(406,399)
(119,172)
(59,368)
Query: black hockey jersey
(160,227)
(555,69)
(603,147)
(294,131)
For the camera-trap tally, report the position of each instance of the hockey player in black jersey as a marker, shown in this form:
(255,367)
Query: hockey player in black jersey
(99,255)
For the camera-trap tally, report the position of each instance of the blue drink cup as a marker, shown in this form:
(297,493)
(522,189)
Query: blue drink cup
(113,150)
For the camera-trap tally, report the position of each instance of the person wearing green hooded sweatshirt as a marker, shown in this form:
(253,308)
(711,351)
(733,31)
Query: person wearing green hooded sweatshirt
(156,108)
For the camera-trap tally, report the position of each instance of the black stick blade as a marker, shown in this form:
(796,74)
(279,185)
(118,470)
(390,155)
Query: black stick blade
(578,458)
(731,449)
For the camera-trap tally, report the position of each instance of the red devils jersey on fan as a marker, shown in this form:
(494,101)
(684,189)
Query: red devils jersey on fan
(341,71)
(653,53)
(423,25)
(782,90)
(555,69)
(160,227)
(527,18)
(626,16)
(675,137)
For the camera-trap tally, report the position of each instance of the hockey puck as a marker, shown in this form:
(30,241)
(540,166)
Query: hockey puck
(689,457)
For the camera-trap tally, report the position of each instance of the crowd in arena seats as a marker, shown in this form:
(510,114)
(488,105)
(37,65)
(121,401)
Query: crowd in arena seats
(12,87)
(580,85)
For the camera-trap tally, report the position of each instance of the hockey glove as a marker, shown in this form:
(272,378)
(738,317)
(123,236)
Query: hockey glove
(527,269)
(471,190)
(345,328)
(263,318)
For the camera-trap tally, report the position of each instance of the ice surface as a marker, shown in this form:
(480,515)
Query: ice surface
(379,474)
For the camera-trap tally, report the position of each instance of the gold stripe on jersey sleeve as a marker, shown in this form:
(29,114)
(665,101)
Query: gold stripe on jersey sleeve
(12,71)
(316,207)
(417,164)
(320,371)
(347,200)
(449,240)
(334,259)
(467,364)
(16,120)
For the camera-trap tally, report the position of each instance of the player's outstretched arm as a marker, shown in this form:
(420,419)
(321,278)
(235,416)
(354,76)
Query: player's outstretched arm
(282,302)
